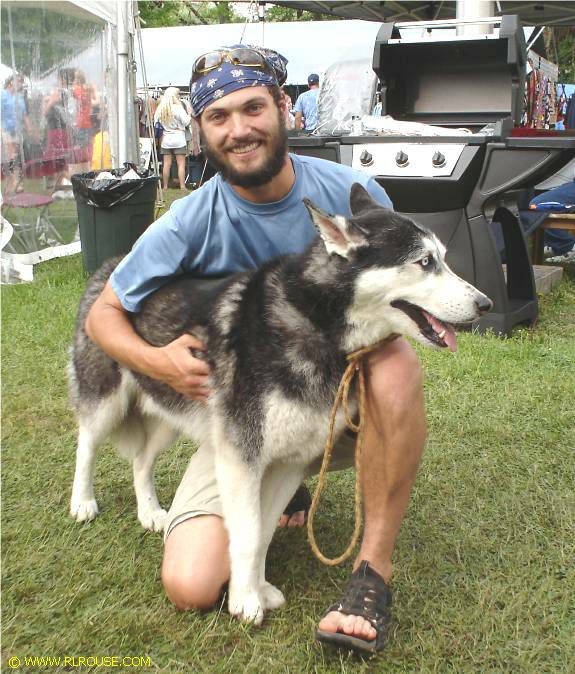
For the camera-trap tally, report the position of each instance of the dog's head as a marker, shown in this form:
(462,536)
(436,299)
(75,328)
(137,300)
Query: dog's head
(401,281)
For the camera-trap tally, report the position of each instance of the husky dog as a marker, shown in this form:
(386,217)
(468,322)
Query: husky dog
(276,339)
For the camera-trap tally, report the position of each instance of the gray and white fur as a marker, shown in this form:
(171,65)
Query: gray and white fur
(276,341)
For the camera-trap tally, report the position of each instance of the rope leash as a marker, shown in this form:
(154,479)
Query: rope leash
(356,365)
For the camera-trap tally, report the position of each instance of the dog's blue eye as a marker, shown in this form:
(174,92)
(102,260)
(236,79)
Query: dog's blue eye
(426,261)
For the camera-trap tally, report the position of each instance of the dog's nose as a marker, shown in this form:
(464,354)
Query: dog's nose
(483,304)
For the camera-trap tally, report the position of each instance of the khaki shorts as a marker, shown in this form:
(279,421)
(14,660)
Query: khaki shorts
(198,492)
(174,150)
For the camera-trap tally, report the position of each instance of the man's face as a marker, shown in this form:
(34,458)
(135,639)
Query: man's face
(245,136)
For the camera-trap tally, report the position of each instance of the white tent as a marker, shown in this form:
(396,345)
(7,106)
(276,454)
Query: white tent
(45,41)
(309,46)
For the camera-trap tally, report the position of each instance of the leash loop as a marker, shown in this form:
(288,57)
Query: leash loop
(356,366)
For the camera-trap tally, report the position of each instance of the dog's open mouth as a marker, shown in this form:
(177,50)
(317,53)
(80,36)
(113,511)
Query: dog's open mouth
(431,328)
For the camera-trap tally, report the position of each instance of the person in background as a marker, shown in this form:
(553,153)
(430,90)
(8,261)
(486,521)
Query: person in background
(173,116)
(86,97)
(559,243)
(59,113)
(306,105)
(14,121)
(101,151)
(289,116)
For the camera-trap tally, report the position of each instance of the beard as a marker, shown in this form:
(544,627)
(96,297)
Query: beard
(273,163)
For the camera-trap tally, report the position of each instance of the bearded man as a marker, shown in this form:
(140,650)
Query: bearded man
(250,212)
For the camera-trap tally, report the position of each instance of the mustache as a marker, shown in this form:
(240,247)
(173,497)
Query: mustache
(251,138)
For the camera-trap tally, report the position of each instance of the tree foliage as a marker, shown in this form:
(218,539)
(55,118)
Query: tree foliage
(160,13)
(276,13)
(565,47)
(42,38)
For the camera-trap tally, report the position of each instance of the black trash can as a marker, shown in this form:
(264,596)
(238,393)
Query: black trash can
(112,213)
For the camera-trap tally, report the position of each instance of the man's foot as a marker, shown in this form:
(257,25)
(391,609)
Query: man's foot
(295,514)
(359,621)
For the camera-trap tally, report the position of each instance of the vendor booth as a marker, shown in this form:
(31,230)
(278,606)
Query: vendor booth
(450,142)
(67,107)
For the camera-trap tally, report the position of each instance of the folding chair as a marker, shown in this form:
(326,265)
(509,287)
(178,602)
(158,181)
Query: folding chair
(43,230)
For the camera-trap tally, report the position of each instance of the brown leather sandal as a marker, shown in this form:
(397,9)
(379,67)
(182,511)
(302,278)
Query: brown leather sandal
(367,596)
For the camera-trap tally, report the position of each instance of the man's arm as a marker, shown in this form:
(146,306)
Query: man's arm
(298,120)
(109,326)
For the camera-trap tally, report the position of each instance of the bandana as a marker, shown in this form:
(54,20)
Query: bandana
(228,77)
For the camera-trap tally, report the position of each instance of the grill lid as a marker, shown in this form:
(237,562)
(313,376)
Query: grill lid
(455,81)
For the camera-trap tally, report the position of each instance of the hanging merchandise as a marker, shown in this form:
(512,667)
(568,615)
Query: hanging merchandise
(540,109)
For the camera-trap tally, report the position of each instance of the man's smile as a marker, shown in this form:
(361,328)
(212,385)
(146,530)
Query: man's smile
(246,148)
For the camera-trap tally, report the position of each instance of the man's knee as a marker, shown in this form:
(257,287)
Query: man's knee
(190,589)
(396,375)
(196,563)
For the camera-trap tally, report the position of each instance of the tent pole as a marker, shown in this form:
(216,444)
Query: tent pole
(474,9)
(148,119)
(14,75)
(123,85)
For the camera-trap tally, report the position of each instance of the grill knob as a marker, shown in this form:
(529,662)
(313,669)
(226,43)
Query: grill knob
(438,160)
(401,159)
(365,158)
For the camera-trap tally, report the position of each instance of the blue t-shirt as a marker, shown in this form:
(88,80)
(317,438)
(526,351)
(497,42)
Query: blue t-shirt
(13,111)
(213,231)
(307,105)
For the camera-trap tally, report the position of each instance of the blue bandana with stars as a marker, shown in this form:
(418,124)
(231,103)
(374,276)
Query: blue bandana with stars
(228,77)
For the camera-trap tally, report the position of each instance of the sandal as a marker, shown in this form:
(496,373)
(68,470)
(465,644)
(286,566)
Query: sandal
(301,500)
(367,596)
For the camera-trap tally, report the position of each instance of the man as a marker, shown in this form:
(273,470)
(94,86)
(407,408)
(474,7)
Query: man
(306,105)
(14,120)
(249,212)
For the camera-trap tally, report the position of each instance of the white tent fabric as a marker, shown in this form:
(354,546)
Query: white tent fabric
(107,10)
(39,219)
(310,47)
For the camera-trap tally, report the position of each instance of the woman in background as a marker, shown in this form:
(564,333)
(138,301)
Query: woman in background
(59,111)
(173,116)
(86,97)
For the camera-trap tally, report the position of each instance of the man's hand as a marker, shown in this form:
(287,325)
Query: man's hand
(109,326)
(175,365)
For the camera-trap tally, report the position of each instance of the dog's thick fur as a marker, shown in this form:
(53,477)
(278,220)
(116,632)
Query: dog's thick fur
(276,344)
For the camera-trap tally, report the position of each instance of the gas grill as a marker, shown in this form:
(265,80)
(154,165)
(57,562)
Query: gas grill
(458,185)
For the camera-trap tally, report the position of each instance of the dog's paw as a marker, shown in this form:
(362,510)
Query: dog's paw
(246,606)
(83,511)
(271,597)
(153,520)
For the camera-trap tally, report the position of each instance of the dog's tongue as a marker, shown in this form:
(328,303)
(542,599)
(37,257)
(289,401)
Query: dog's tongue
(449,337)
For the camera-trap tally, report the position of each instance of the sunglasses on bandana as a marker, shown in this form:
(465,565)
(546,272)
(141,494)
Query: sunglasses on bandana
(239,56)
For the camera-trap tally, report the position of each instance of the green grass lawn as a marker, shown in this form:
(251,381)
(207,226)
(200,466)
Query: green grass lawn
(484,563)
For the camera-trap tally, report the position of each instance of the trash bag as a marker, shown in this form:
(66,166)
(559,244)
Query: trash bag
(108,192)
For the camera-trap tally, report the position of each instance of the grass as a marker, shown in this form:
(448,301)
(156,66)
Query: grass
(484,563)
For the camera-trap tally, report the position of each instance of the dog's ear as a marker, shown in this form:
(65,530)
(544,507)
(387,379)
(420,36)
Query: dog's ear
(339,234)
(361,200)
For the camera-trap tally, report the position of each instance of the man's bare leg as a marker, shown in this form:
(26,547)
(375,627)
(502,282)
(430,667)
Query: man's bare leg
(196,559)
(196,562)
(395,437)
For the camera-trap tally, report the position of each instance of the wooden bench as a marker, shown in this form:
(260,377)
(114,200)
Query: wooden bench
(552,221)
